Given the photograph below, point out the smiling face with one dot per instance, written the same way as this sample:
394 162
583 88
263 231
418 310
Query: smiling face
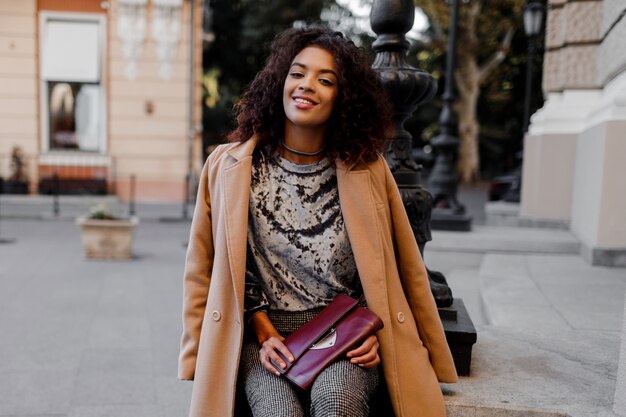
310 89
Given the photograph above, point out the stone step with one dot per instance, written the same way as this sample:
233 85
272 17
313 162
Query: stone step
510 297
524 373
483 239
548 293
460 410
502 213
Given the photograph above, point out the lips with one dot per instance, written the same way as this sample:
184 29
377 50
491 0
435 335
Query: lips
303 102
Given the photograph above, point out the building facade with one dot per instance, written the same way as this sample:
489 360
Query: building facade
574 171
95 93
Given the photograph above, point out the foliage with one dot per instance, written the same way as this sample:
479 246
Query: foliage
101 212
243 30
490 76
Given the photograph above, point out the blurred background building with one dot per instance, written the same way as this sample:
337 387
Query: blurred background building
574 172
99 91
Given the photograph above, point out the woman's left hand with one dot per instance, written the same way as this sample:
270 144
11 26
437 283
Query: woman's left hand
365 355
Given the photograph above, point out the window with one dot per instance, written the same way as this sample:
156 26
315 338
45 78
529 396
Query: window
73 107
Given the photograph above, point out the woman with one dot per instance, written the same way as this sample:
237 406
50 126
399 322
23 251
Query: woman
300 207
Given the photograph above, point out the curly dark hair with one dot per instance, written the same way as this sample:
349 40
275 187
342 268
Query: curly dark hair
361 119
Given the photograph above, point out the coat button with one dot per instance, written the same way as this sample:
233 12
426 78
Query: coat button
216 315
401 317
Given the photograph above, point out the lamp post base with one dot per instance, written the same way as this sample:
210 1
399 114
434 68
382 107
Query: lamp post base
460 334
443 219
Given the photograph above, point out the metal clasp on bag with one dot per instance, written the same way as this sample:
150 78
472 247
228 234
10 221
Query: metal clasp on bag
327 341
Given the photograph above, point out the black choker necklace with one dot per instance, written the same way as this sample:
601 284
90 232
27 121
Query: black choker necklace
301 153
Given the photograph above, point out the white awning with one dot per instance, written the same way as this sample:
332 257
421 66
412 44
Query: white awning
71 50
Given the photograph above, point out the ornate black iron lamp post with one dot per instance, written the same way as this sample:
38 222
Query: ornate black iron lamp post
534 13
409 87
448 213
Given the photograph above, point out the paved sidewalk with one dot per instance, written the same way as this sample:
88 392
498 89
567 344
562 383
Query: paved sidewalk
90 338
100 339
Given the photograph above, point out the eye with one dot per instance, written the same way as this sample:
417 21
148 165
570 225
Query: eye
296 74
326 82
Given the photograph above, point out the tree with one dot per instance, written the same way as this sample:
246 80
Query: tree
485 32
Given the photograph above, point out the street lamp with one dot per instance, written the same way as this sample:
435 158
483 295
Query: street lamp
448 213
533 22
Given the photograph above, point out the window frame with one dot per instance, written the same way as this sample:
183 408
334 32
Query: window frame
100 20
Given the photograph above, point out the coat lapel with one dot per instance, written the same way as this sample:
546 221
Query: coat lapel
358 208
236 185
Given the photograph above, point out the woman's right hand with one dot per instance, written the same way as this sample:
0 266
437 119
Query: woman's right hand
269 352
271 343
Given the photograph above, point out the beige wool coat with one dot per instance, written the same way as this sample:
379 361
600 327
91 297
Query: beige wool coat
413 348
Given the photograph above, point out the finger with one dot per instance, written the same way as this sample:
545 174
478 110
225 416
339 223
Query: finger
272 347
276 344
371 364
280 346
365 347
368 357
269 366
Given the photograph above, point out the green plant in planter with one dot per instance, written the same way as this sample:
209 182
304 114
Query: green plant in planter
105 235
101 212
17 183
18 165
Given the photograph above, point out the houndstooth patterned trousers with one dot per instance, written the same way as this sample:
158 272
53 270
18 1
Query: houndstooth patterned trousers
341 390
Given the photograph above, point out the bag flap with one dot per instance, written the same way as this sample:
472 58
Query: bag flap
300 340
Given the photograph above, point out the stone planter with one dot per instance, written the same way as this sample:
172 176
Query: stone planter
107 239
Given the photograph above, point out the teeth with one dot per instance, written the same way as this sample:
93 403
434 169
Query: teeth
303 101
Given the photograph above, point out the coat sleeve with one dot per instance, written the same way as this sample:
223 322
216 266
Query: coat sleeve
417 287
197 277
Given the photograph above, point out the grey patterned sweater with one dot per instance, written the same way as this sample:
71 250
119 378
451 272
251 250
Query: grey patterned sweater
299 256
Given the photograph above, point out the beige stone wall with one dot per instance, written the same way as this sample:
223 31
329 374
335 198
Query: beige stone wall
612 227
612 54
547 185
18 84
600 194
573 34
148 116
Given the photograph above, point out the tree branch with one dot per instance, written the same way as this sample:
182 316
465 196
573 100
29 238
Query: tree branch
498 56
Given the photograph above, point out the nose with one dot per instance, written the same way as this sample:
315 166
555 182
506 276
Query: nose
306 83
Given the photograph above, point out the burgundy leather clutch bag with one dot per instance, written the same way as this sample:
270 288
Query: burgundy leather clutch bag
337 329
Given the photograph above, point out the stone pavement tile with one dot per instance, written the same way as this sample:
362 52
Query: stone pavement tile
120 332
465 285
586 296
55 355
25 393
129 361
173 392
165 344
445 261
505 239
568 371
122 294
165 302
42 343
146 410
172 410
113 388
511 298
455 410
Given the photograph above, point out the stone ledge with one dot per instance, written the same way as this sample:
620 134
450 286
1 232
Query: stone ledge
501 213
462 410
